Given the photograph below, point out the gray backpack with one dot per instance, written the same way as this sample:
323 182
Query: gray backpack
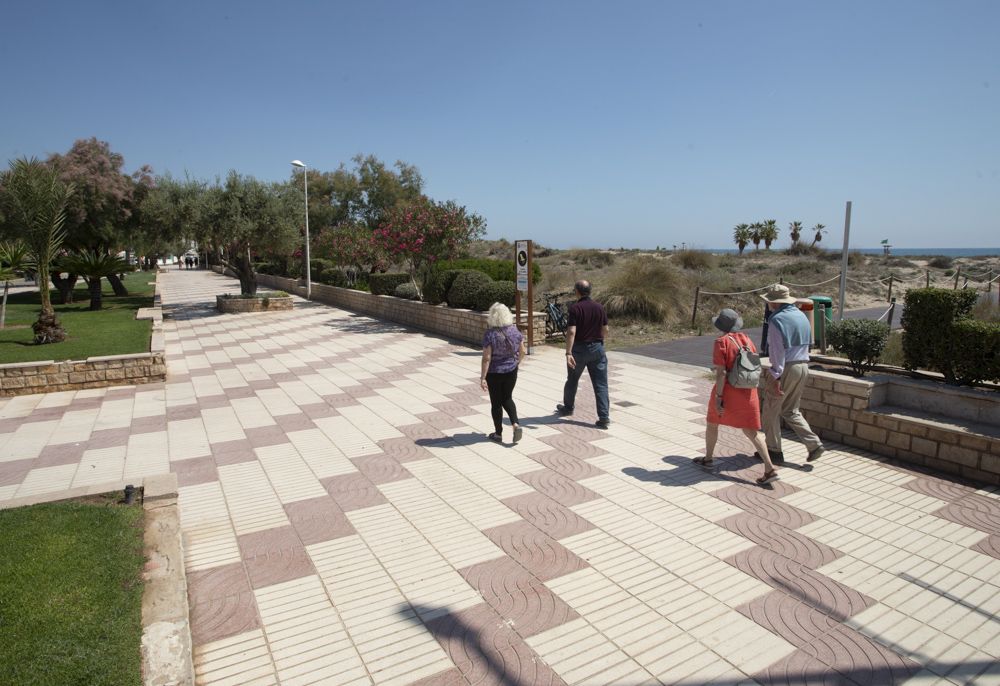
745 372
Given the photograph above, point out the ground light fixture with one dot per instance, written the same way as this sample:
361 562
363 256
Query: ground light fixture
305 179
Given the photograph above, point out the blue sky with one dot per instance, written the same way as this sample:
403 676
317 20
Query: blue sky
590 124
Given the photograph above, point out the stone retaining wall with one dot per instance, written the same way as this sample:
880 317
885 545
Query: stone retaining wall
235 305
857 412
462 325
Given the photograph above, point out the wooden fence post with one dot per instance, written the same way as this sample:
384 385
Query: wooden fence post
958 270
889 297
928 278
694 312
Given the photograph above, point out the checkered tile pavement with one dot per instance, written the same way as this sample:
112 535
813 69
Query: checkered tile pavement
346 521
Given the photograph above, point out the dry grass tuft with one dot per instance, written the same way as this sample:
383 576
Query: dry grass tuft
649 289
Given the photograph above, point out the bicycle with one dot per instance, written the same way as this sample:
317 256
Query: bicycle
556 314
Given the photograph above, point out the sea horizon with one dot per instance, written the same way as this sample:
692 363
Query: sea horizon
902 252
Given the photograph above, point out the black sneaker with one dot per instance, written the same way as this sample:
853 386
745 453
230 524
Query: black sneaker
563 410
602 423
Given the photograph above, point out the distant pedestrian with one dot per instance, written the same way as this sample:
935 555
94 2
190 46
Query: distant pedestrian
788 337
585 335
188 262
503 350
729 405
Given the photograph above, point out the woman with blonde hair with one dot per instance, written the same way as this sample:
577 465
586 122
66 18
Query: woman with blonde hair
503 350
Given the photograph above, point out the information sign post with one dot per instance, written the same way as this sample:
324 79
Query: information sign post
523 267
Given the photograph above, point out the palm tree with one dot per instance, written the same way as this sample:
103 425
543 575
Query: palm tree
34 200
741 236
769 234
93 266
820 229
755 234
795 228
13 259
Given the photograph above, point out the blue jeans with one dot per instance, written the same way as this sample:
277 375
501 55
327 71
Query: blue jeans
590 356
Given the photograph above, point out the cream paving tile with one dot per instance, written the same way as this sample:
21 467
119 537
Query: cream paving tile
180 394
307 640
19 406
208 535
74 427
289 474
27 441
321 454
369 423
277 402
100 466
57 399
147 454
252 501
392 641
206 386
320 385
47 480
349 439
241 660
388 410
8 492
459 541
581 655
222 424
476 500
149 404
186 438
299 393
251 413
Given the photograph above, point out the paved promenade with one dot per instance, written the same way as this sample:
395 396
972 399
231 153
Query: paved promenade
346 521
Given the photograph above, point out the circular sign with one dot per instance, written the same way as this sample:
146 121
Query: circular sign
522 258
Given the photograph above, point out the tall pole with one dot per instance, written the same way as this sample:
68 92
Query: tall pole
305 176
843 261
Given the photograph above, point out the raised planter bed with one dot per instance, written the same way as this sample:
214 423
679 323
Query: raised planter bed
264 302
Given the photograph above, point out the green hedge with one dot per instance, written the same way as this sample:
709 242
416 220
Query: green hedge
438 284
498 270
333 276
385 284
975 351
465 289
407 291
495 292
862 340
928 339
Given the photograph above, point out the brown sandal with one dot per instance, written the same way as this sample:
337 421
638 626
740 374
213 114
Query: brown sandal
769 477
705 462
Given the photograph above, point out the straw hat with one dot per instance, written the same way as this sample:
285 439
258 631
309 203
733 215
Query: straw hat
778 293
728 321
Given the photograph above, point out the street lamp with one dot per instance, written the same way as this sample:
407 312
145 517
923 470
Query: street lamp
305 178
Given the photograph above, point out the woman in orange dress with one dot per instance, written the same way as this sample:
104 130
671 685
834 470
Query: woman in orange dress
735 407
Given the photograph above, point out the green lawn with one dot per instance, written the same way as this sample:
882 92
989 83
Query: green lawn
111 331
71 593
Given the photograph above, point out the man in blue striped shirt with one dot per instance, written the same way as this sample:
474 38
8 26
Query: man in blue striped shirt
788 340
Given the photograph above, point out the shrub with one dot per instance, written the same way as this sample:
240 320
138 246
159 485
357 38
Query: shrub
976 351
385 284
939 262
650 289
407 291
498 270
801 248
333 277
465 288
862 340
694 259
927 321
898 262
317 267
592 258
496 292
438 284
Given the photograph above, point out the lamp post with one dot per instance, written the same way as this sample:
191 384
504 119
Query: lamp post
305 178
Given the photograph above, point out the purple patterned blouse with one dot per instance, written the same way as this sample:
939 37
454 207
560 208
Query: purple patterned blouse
505 344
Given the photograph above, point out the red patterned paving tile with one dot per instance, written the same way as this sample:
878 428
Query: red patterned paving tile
318 410
359 392
404 449
279 377
816 590
580 430
262 384
451 677
340 400
211 402
9 426
802 669
939 488
261 436
440 420
274 555
468 398
233 452
108 438
199 470
563 490
353 491
780 540
989 546
859 658
573 446
967 516
294 422
65 453
517 596
540 554
452 409
45 414
756 502
548 515
381 469
318 519
488 652
221 603
787 617
120 393
981 504
182 412
569 466
146 425
13 472
240 392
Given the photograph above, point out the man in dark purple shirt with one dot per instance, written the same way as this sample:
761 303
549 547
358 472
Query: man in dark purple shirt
588 327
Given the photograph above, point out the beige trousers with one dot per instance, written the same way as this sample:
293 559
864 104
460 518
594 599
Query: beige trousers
786 406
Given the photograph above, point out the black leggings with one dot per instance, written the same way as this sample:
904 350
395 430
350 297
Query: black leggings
501 391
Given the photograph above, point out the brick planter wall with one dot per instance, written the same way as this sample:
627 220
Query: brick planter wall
877 414
462 325
234 305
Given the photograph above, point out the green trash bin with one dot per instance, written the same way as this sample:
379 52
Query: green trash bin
822 317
